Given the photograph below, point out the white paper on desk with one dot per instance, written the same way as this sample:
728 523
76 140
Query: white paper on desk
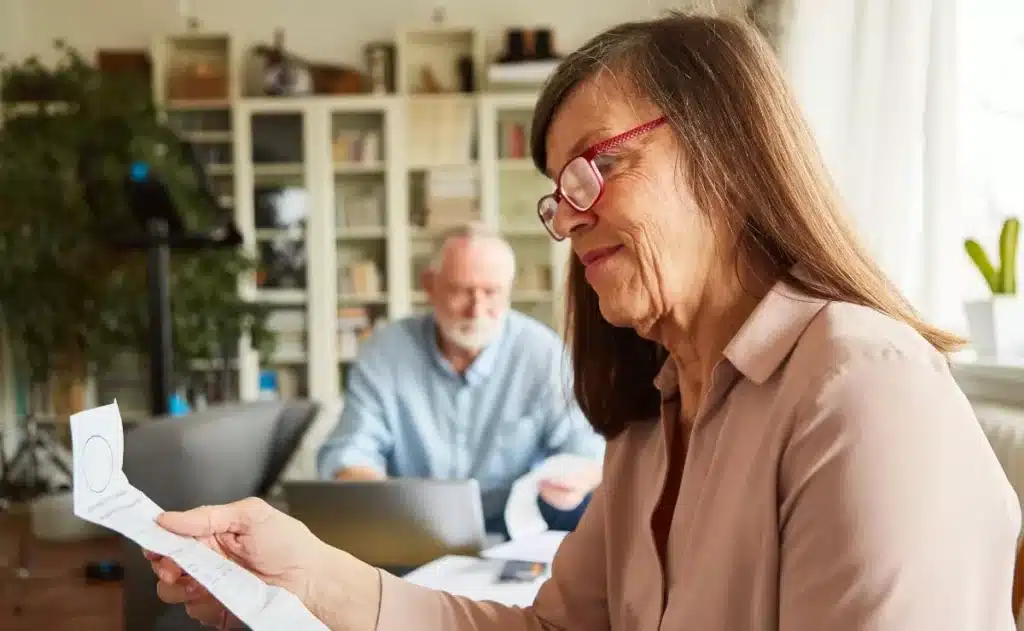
104 496
476 579
522 514
538 548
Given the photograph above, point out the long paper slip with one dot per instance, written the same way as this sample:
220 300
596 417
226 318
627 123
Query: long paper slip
104 496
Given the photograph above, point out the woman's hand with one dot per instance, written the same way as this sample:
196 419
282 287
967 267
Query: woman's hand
278 549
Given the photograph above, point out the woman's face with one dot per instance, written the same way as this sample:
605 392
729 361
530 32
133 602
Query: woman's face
646 247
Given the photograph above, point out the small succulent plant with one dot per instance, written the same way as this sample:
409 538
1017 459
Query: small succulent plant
1001 280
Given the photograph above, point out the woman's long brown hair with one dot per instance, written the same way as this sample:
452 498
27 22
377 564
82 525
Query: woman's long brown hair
751 162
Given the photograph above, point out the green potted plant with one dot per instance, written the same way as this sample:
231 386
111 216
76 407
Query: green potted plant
997 324
70 302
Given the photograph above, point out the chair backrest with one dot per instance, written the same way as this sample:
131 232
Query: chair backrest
214 456
1017 598
295 420
219 455
1005 432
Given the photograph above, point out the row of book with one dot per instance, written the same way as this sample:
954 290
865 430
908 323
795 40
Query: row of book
357 146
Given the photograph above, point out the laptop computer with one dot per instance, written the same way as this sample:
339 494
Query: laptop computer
396 524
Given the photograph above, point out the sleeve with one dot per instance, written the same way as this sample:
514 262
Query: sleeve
573 599
894 512
566 429
362 436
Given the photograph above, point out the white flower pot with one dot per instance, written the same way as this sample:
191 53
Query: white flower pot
997 327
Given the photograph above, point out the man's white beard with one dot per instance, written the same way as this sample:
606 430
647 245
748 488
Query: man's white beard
471 334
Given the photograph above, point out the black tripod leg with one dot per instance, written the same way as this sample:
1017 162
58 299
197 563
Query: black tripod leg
53 449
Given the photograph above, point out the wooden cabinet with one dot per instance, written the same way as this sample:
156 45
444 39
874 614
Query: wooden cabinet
54 594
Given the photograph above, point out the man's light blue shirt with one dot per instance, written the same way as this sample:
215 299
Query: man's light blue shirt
408 413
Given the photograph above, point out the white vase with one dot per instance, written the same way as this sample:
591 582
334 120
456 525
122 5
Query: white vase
997 327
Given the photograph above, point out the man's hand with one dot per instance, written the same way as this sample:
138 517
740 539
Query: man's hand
567 492
358 473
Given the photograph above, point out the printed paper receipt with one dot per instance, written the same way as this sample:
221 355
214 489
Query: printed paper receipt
104 496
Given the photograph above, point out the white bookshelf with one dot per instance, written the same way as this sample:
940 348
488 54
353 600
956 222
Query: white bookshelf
363 186
510 188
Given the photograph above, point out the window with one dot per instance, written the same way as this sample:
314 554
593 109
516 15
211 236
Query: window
991 77
991 82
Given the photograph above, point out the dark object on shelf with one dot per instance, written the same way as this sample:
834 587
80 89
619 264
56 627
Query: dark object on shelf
380 67
528 45
283 74
543 45
515 46
162 230
467 80
282 264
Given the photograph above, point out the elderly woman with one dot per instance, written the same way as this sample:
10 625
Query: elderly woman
787 448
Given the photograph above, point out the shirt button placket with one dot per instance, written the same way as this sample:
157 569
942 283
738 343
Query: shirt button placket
460 433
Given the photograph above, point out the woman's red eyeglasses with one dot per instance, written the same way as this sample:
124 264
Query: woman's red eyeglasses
580 182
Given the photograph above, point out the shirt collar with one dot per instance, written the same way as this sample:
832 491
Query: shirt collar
481 368
764 341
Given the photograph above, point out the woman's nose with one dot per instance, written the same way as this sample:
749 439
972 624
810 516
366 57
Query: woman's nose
568 220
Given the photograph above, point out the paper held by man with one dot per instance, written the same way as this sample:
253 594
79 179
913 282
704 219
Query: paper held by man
104 496
522 511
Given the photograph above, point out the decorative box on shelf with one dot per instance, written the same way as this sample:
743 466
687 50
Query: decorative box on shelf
193 67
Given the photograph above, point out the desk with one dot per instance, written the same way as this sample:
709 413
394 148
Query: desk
475 578
55 596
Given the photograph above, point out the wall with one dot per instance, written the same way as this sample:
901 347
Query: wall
328 30
12 29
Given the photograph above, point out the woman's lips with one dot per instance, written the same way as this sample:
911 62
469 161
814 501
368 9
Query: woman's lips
598 254
594 261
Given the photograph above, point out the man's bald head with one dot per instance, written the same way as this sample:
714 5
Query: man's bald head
469 283
476 245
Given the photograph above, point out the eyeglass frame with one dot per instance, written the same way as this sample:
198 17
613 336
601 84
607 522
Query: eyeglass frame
589 155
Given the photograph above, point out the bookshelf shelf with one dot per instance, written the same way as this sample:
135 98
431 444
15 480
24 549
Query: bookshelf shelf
375 166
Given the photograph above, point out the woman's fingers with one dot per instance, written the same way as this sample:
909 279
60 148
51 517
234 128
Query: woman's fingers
167 570
173 593
186 589
208 611
207 521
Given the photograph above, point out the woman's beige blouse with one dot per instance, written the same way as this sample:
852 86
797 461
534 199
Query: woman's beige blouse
836 479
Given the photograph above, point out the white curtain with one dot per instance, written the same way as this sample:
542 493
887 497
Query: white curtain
877 81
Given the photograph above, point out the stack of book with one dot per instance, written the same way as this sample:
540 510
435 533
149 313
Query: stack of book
360 278
451 197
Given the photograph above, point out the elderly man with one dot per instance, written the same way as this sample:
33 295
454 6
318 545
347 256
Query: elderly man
473 389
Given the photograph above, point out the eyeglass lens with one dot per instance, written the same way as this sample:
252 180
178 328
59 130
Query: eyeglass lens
579 184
